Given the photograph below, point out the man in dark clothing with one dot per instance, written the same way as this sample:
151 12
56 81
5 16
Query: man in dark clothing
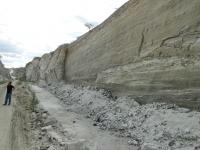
10 87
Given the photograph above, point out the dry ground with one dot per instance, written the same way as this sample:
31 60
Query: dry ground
5 121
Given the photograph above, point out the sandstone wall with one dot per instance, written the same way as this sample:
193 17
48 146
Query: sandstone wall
149 49
19 73
4 73
32 70
157 28
49 68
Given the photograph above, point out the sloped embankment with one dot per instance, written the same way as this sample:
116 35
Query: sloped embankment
32 128
20 132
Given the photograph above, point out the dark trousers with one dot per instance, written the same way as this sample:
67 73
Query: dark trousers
8 98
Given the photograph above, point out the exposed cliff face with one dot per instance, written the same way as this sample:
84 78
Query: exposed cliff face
153 29
56 70
148 47
32 70
4 73
19 73
50 67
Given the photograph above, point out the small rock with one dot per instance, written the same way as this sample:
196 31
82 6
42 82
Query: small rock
51 148
150 146
44 147
47 128
34 115
54 136
87 116
171 143
49 122
133 142
90 103
44 115
197 147
76 145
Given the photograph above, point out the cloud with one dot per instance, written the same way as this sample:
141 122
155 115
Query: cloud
12 54
34 27
8 47
11 60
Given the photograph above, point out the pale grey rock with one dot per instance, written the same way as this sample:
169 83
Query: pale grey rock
76 145
44 63
4 73
32 70
147 55
54 136
56 70
49 68
47 128
51 148
19 73
131 34
161 126
150 146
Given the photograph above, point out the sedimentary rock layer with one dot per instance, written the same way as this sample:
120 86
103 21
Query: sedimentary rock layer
151 48
139 29
50 67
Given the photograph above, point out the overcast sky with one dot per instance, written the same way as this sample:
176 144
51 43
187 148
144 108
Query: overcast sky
30 28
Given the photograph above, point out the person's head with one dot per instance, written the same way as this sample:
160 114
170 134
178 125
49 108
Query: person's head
9 83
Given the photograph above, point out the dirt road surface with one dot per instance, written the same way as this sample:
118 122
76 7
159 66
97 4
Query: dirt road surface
5 120
77 126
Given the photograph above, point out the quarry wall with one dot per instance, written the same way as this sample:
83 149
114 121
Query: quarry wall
49 68
4 73
147 46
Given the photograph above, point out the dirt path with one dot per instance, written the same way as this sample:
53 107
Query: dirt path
78 127
5 120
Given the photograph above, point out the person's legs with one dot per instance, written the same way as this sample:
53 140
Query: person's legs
9 99
6 99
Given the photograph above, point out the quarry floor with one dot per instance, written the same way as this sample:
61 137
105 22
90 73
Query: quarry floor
70 117
79 128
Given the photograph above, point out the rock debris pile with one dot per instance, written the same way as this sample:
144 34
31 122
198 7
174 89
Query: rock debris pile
50 134
156 126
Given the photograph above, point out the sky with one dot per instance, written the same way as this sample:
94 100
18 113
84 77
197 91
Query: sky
30 28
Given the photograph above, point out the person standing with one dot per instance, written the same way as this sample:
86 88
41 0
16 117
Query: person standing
8 97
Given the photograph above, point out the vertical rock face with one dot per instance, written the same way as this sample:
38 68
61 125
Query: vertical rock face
151 48
43 64
4 73
56 68
49 68
19 73
32 70
139 29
